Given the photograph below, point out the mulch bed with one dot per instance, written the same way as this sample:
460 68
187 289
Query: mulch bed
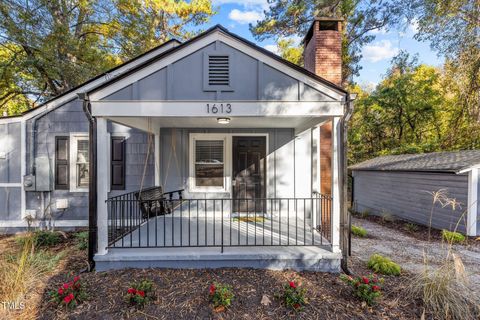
183 294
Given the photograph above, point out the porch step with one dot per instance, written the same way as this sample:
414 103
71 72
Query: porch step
274 258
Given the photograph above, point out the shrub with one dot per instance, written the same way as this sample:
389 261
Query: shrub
452 236
445 291
82 240
359 231
367 289
411 227
383 265
42 238
294 296
140 293
220 295
70 294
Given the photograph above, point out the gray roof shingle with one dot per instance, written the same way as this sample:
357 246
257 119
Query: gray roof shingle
454 161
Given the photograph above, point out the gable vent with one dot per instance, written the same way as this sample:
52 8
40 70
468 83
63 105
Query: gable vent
218 70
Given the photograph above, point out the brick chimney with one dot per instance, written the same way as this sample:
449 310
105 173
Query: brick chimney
323 56
323 49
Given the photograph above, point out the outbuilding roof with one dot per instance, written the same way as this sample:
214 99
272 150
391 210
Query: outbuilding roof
455 162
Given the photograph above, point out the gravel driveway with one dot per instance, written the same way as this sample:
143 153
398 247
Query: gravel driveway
409 252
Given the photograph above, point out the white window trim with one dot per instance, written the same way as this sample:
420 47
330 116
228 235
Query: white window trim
74 137
227 175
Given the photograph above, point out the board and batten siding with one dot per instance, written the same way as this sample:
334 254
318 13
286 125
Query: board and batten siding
407 195
289 161
70 118
251 80
10 170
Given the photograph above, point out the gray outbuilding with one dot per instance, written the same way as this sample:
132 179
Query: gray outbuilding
409 186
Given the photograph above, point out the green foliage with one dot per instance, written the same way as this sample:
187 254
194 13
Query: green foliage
452 236
367 288
387 217
49 47
290 52
358 231
383 265
294 296
411 227
41 238
286 18
140 293
82 240
220 295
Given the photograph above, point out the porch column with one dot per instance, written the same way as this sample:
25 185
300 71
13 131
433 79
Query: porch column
472 202
102 185
157 156
336 183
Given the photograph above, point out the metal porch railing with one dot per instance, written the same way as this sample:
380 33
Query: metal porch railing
172 221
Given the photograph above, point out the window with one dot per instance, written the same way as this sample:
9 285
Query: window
209 162
79 168
61 163
209 165
117 163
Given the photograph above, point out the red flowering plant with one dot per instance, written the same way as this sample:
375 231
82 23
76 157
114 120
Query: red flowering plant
70 294
294 296
220 295
140 293
367 288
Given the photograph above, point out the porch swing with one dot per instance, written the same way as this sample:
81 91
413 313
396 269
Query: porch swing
154 201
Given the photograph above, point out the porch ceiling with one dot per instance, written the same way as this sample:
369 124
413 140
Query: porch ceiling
143 123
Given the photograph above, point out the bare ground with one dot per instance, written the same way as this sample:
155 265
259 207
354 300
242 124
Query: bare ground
407 249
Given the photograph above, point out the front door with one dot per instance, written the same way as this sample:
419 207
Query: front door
249 168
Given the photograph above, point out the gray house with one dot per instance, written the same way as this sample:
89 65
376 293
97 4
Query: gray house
402 185
213 152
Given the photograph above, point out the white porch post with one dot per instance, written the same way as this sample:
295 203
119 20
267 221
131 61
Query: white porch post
336 183
157 156
471 226
102 185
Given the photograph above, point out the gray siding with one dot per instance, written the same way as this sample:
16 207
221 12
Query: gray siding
10 145
289 161
10 203
70 118
407 196
251 80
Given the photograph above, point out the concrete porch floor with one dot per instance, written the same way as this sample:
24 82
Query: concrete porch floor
175 230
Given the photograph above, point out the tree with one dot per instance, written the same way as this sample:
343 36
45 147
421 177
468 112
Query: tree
143 25
453 29
288 51
55 45
404 114
287 18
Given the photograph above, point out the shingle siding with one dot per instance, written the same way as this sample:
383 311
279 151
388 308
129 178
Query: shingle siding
407 195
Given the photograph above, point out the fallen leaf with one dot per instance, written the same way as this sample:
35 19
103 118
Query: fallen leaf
265 300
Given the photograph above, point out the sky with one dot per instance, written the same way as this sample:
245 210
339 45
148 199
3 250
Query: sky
236 15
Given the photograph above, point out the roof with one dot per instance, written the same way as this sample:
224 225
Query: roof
170 51
237 37
454 162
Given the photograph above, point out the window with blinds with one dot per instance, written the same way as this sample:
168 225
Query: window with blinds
209 163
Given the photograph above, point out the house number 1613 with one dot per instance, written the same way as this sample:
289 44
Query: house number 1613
219 108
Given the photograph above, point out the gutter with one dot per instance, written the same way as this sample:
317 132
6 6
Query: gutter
345 221
92 187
